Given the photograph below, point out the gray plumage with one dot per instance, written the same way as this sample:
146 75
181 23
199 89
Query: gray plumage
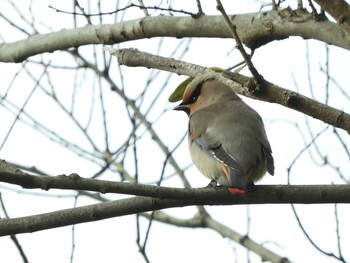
227 138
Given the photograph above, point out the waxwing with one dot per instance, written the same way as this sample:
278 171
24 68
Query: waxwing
226 137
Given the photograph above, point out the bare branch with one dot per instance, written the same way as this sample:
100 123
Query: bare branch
142 119
336 216
312 242
245 241
206 196
206 221
279 194
13 237
254 29
141 6
338 9
233 29
241 84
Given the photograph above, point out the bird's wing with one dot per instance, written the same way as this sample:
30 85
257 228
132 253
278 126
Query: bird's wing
218 152
231 167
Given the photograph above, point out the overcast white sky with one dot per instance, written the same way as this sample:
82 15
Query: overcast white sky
113 240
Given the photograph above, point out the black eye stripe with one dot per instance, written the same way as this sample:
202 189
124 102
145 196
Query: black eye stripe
197 91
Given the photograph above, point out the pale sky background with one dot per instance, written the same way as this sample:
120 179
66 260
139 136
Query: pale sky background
113 240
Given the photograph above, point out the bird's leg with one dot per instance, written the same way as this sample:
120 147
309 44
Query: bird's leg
232 190
250 187
212 183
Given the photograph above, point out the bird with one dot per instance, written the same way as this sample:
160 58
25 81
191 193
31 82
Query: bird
226 137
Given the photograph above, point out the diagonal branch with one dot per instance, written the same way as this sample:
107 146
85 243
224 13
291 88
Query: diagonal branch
338 9
206 221
241 84
266 255
142 119
233 29
13 237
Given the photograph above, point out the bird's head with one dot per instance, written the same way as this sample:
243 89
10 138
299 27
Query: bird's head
204 91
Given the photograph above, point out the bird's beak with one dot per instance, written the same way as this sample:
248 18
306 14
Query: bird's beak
182 107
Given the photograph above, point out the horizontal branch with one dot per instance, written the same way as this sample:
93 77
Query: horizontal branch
254 30
262 194
66 217
241 84
207 196
152 198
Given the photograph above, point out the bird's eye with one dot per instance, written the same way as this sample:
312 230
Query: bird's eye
194 98
195 94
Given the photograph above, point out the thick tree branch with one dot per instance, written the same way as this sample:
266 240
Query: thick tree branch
263 194
338 9
207 196
83 214
254 29
241 84
154 198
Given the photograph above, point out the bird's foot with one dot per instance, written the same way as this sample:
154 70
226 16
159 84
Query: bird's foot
212 183
250 187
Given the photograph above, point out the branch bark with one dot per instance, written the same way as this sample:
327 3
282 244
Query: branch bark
262 194
338 9
150 198
206 196
241 84
11 174
266 255
255 30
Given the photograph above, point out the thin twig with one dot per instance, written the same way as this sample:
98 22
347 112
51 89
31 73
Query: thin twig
329 254
103 113
142 7
141 117
296 158
145 11
36 85
200 10
13 237
73 233
314 11
327 74
204 220
82 10
338 232
258 78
